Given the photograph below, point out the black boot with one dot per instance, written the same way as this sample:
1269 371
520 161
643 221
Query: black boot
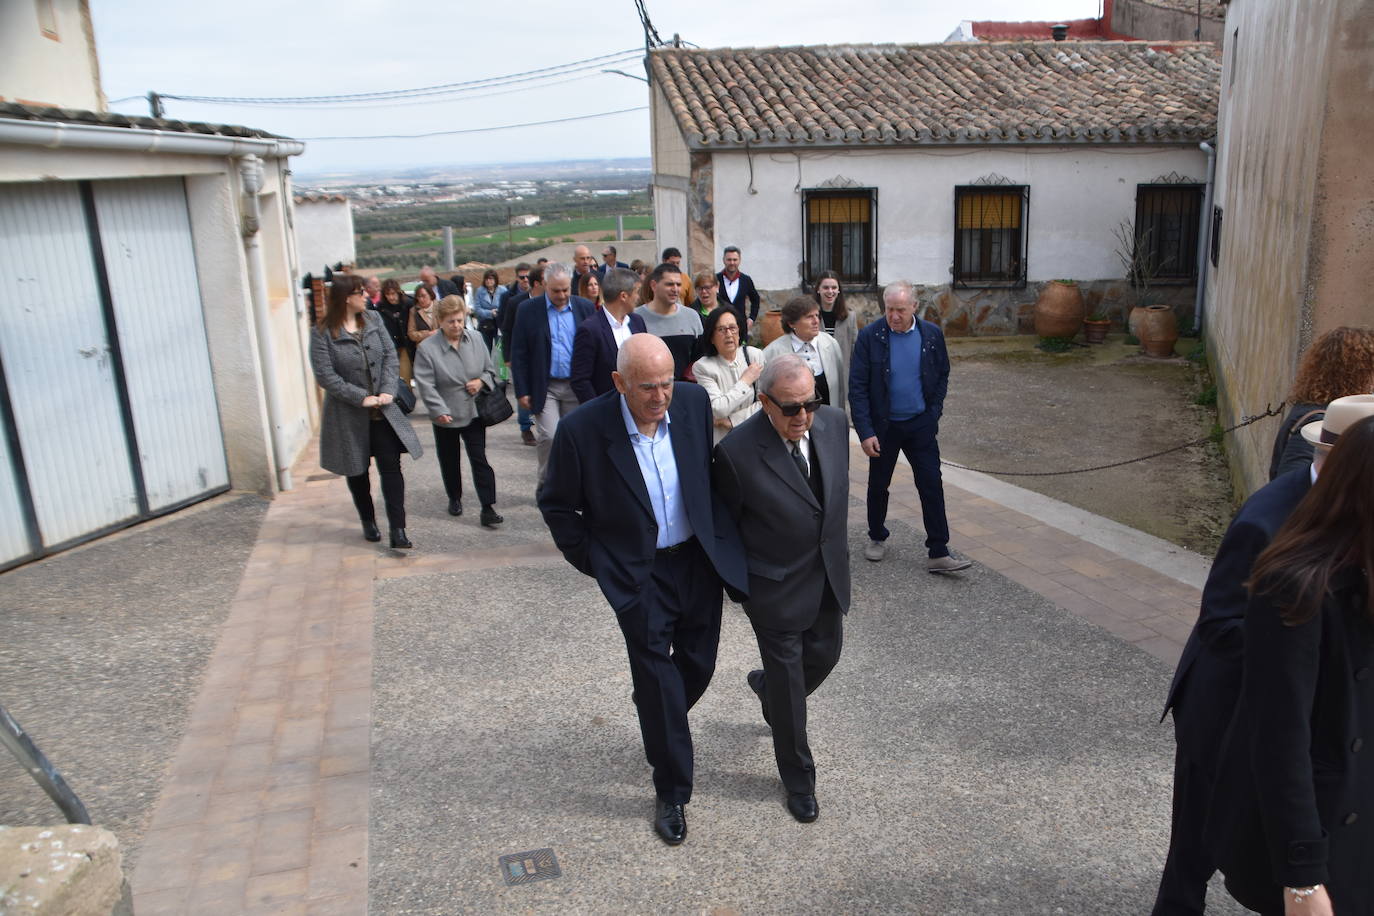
489 517
399 539
455 507
370 530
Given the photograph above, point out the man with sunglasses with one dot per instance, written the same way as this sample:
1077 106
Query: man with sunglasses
898 377
783 475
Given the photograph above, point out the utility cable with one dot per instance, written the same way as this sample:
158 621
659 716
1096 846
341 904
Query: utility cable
482 130
442 89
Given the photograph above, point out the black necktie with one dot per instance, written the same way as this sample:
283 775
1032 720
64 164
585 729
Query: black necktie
808 470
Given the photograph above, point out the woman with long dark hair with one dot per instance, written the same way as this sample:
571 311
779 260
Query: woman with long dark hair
355 363
836 318
1292 820
589 288
486 301
394 307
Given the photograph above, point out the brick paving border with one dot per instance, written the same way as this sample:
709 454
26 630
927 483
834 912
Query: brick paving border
265 806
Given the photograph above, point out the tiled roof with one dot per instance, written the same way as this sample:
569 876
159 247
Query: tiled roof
320 199
19 112
997 92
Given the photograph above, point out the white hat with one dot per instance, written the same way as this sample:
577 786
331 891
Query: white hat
1341 414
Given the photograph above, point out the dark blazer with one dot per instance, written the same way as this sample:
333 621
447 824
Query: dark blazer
509 309
793 547
602 268
597 507
594 355
1208 672
532 350
870 366
1294 799
394 318
443 288
745 293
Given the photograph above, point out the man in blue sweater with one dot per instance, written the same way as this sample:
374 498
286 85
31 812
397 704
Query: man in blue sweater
897 382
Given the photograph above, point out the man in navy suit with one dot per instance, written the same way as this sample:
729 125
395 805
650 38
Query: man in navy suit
610 261
897 384
735 289
624 501
1206 684
541 363
600 337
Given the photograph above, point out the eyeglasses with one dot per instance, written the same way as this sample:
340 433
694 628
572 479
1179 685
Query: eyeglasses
791 410
523 278
727 329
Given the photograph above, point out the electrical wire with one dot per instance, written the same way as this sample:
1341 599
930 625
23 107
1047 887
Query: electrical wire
482 130
442 89
439 100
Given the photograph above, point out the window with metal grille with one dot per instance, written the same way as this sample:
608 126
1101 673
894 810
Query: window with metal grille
1167 222
990 235
841 234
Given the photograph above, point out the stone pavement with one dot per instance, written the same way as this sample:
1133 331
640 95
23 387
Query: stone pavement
377 725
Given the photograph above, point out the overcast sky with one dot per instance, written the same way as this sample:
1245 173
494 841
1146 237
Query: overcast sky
275 48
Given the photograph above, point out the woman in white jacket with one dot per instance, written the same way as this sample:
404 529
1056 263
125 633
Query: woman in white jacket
728 371
801 320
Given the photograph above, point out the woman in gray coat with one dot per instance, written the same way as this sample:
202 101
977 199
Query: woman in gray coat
452 368
355 363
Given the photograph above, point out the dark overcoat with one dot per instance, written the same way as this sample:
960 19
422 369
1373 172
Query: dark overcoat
341 367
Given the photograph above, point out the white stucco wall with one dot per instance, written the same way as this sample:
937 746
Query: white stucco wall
55 66
670 219
324 234
1078 196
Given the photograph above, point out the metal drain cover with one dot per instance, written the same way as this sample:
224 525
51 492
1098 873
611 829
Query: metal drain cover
525 867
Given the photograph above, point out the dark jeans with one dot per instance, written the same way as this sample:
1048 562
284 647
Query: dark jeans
474 439
914 438
385 448
671 634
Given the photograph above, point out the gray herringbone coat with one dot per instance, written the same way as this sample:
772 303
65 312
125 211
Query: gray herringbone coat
339 368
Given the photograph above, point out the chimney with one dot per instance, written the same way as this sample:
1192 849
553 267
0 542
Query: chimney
1060 32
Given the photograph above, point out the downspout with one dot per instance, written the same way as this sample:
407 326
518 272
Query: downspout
250 171
1204 243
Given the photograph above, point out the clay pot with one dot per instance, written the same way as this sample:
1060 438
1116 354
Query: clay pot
771 326
1158 331
1133 321
1059 310
1095 332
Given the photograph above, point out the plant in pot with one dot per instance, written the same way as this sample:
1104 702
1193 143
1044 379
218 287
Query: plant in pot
1095 327
1153 326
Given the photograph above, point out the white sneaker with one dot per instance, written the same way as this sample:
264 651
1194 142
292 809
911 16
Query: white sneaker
947 564
875 551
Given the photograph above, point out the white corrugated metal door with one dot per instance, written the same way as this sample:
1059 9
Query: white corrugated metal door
145 234
60 366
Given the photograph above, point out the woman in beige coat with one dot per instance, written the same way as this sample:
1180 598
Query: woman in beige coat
728 371
452 367
801 320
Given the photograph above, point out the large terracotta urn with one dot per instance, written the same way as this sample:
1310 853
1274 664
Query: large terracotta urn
1059 310
772 327
1158 331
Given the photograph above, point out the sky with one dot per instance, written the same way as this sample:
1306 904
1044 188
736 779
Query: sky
311 48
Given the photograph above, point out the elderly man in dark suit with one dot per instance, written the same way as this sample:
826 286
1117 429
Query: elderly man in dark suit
1206 685
783 475
600 337
541 363
438 287
626 500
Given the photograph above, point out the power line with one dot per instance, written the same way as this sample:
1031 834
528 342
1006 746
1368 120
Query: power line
439 100
442 89
483 130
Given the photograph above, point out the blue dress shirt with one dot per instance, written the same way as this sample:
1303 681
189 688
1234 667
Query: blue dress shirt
658 466
562 328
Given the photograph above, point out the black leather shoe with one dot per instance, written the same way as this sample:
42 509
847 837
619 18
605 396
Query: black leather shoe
670 823
803 807
371 532
455 507
755 679
490 519
399 539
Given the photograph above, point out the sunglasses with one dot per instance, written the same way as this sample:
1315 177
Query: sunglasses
791 410
523 277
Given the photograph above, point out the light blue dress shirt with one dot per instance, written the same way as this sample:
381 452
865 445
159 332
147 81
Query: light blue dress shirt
658 466
562 328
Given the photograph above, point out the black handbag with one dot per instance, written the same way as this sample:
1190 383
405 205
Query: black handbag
405 398
493 407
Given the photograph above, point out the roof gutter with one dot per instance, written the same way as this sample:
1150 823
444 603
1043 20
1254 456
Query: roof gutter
67 135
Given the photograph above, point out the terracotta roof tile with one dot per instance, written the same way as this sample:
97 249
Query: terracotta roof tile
20 112
1020 91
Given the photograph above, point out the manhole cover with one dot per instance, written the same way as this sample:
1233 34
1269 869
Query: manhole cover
535 865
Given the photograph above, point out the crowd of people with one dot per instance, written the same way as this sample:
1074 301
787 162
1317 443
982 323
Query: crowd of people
641 400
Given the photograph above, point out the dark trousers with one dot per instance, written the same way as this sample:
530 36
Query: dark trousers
914 438
1188 868
473 437
385 447
671 635
795 663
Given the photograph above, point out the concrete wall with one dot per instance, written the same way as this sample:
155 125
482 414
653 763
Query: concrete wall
49 61
1151 21
1294 183
1078 196
324 234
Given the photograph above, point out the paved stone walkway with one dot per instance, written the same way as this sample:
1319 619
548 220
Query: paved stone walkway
265 807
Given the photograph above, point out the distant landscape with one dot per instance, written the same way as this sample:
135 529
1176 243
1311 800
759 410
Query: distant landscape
399 217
